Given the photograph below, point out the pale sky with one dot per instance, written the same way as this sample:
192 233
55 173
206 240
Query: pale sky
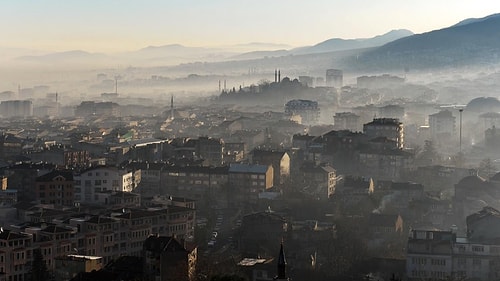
126 25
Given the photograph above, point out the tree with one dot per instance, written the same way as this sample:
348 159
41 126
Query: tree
39 271
429 155
487 168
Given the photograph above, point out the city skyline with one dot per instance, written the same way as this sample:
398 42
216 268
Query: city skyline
117 26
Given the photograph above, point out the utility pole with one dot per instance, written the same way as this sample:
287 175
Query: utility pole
460 111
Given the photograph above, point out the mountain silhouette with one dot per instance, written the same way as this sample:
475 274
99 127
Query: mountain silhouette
338 44
472 41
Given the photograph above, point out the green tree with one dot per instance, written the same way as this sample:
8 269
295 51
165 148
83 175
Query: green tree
39 271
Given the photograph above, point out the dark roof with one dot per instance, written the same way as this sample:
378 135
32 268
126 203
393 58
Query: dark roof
495 177
100 219
66 174
6 234
247 168
56 229
384 220
406 185
443 114
485 212
317 169
198 169
471 181
143 213
384 121
268 215
23 205
268 153
145 166
356 182
162 244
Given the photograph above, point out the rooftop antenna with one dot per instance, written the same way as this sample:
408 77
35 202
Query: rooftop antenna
116 84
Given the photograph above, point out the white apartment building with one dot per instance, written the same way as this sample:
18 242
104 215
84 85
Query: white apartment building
97 179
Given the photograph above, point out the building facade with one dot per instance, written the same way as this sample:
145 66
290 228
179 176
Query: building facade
390 128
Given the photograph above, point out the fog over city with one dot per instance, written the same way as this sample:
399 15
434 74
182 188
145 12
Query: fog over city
249 140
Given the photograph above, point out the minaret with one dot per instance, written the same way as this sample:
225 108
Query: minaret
281 266
172 107
57 104
275 75
279 75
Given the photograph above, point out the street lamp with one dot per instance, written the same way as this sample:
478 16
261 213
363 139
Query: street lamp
461 110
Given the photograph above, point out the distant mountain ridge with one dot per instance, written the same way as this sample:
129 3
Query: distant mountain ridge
338 44
469 41
474 20
332 45
61 56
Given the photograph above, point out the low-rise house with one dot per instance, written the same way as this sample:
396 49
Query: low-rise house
260 232
67 267
353 190
279 160
319 181
166 258
386 234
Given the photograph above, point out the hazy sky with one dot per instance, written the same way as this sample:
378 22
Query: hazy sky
120 25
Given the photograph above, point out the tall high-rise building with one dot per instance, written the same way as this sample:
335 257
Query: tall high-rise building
16 108
334 78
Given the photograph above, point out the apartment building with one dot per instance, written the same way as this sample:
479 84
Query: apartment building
390 128
16 250
103 178
56 188
440 255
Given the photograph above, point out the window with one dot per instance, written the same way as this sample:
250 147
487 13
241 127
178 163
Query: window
477 248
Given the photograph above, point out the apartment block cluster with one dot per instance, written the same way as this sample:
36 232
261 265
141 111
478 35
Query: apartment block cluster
120 229
434 254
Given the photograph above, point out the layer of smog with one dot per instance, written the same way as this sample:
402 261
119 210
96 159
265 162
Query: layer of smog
373 158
